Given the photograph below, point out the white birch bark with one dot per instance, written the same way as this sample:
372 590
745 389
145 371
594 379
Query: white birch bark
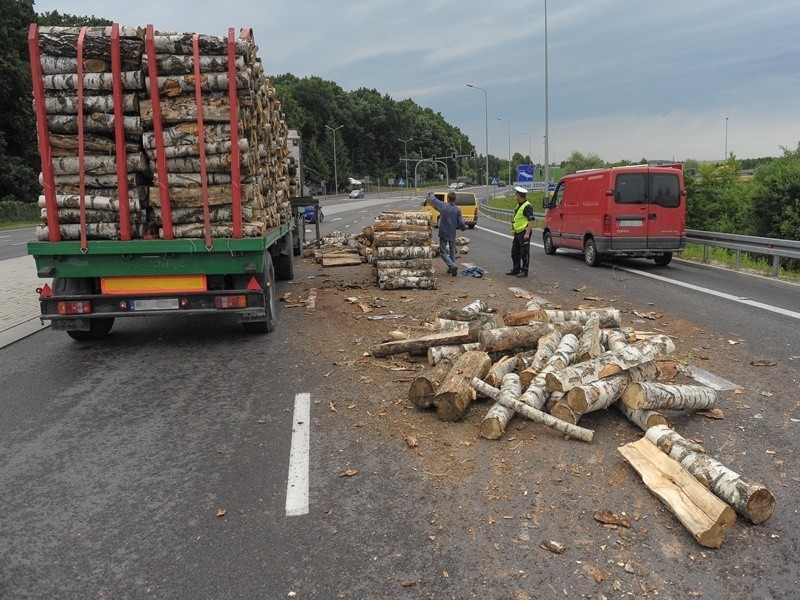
600 394
653 395
494 424
750 499
645 419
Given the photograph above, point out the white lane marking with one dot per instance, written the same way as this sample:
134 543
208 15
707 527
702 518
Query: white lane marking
297 484
781 311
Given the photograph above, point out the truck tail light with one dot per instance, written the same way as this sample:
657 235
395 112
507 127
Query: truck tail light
223 302
81 307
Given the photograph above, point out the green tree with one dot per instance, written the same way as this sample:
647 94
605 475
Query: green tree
578 162
775 197
717 198
19 162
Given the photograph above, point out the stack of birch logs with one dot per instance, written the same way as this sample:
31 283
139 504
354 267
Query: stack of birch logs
267 177
401 247
262 137
58 47
554 366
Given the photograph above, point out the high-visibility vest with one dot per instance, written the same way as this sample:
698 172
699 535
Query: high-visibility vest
520 221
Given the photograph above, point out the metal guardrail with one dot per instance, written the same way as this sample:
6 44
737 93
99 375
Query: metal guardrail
773 247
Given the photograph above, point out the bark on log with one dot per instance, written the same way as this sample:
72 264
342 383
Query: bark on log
64 43
218 230
402 273
407 283
494 424
393 215
67 145
645 419
653 395
90 201
193 150
216 109
750 499
600 394
520 318
424 386
182 43
188 133
546 347
579 433
399 225
589 346
610 363
412 264
94 231
183 64
95 82
402 238
504 339
456 393
99 165
193 179
609 317
93 123
421 344
502 367
704 515
469 312
404 252
614 339
68 105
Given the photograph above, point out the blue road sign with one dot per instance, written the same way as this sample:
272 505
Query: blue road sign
401 181
524 172
494 180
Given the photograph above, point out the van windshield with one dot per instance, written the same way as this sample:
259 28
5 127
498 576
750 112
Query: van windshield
641 188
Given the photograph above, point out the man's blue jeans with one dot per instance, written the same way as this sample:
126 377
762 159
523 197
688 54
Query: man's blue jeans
447 250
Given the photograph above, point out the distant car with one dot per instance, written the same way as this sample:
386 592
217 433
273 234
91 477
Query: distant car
453 186
357 194
460 185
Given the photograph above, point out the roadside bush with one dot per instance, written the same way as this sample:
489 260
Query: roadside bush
13 210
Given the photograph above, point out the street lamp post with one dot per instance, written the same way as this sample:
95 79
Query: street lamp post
726 138
546 115
405 151
530 145
486 124
509 148
335 166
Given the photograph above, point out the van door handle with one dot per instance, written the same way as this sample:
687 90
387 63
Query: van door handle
651 216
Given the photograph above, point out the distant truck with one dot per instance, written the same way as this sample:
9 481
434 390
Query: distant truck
637 211
130 241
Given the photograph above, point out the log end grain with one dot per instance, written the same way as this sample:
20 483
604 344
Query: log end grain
760 506
491 429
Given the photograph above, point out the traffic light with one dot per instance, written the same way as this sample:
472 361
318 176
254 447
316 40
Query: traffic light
453 156
472 153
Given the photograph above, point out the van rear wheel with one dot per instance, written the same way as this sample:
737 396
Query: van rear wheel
590 254
664 259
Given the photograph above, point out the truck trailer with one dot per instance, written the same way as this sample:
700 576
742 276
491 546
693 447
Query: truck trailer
166 178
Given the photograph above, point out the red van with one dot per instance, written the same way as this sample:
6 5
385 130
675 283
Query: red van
638 210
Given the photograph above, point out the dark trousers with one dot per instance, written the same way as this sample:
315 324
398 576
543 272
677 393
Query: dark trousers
521 252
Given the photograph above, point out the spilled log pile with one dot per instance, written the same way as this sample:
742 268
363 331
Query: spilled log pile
555 366
170 164
401 246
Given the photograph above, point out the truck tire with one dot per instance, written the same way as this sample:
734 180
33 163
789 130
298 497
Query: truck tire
664 259
590 254
284 263
267 281
549 246
98 328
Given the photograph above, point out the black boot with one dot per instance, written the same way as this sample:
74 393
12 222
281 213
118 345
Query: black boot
522 274
512 272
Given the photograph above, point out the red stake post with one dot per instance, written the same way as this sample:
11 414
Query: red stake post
119 131
201 135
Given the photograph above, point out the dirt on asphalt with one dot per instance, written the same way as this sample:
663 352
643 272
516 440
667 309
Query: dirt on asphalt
534 491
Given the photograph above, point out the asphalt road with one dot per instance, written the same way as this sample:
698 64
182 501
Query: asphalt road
155 464
13 242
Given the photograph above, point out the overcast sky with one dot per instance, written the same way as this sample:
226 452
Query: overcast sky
627 78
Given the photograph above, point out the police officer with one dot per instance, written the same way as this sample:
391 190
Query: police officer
522 226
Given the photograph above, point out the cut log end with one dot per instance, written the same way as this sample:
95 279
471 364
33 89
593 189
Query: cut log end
760 506
491 429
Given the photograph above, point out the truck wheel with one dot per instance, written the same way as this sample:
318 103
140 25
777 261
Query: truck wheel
284 263
664 259
267 281
549 246
590 254
98 329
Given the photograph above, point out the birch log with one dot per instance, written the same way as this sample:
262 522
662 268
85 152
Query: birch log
610 363
700 512
580 433
645 419
437 354
404 252
750 499
421 344
423 388
590 339
501 368
653 395
399 283
493 425
456 393
602 393
509 338
546 347
609 317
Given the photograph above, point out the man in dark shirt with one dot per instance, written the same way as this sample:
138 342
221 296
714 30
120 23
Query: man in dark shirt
450 219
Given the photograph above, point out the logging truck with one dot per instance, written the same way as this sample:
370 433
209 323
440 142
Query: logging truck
166 178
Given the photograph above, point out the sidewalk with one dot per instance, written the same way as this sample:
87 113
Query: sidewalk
19 302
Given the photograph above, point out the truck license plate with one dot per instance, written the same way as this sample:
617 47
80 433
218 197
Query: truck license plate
154 304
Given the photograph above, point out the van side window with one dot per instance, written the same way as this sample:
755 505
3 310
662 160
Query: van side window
631 188
558 196
666 191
